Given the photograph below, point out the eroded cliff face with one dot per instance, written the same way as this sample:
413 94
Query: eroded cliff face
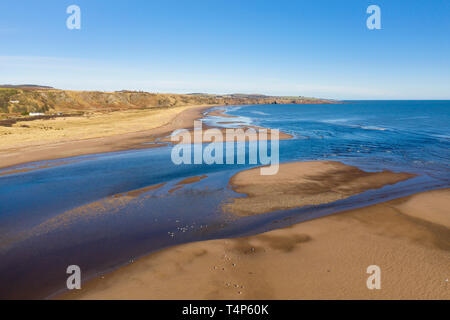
24 100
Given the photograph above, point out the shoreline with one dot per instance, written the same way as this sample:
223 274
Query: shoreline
304 183
316 186
133 140
11 157
411 233
323 258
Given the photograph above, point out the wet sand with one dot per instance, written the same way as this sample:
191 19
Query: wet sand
186 181
43 166
220 135
107 134
303 183
113 132
325 258
191 180
220 113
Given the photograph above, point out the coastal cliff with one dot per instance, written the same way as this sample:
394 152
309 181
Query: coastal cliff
26 99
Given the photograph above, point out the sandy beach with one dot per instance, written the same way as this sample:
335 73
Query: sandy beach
57 138
325 258
241 133
74 136
231 151
303 183
212 134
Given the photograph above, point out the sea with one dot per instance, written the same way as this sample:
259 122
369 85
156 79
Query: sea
78 211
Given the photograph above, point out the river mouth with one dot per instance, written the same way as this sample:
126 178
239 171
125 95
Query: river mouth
103 211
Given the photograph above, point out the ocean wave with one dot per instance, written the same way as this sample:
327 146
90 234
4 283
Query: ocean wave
441 136
373 128
340 120
261 113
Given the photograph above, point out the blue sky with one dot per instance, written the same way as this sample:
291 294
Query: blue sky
312 48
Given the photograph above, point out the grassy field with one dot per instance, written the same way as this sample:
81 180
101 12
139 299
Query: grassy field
92 125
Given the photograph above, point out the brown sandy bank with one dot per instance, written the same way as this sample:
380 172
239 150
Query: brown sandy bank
210 134
325 258
59 138
303 183
220 113
114 131
186 181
